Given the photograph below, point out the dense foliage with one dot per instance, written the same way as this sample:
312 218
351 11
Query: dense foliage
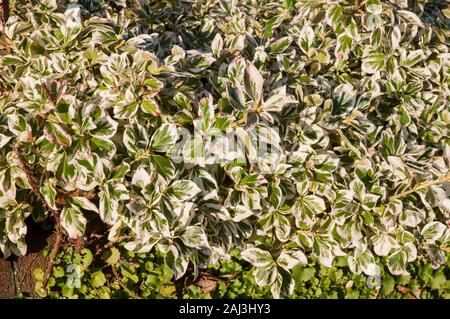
147 276
277 133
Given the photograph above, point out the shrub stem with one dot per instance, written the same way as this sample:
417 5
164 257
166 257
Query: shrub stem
124 287
349 144
5 8
31 178
441 179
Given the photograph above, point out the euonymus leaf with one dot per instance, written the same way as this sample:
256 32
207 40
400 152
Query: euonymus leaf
73 221
397 262
433 231
344 99
279 129
290 259
184 190
257 257
194 236
164 138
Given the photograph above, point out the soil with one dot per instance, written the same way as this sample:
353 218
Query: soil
16 273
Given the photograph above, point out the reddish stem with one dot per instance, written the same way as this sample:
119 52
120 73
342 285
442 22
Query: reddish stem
5 7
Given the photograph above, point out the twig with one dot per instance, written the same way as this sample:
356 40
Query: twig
124 287
49 94
53 255
349 144
5 7
30 176
129 263
35 189
111 244
441 179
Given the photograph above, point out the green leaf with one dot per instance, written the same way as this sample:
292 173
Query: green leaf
333 15
280 45
182 101
103 146
376 37
254 82
344 45
86 257
184 190
153 83
373 63
111 256
163 166
194 236
433 231
65 171
302 274
150 106
412 59
257 257
57 135
288 259
98 279
344 99
387 285
397 263
38 274
438 280
289 3
275 195
164 138
58 272
73 221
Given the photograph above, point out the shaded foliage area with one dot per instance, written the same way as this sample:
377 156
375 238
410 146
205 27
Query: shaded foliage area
351 98
147 276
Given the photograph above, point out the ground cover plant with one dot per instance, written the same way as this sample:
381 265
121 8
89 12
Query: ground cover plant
232 148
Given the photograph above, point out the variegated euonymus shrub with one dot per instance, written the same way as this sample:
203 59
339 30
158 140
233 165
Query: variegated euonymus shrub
289 129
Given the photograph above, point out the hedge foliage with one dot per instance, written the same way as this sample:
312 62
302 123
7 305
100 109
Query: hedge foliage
147 276
291 131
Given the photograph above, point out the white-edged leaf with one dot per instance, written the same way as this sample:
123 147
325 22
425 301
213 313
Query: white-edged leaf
84 203
257 257
184 189
194 236
141 178
433 231
73 221
254 81
288 259
217 44
164 138
397 263
383 244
